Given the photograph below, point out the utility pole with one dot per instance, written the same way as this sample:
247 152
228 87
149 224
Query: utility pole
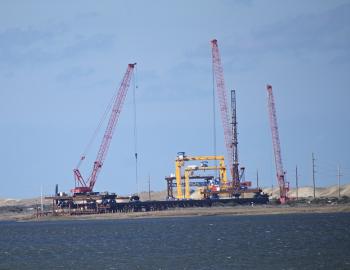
338 175
149 187
271 190
296 182
257 179
313 174
41 199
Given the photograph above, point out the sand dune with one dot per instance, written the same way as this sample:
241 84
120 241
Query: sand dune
304 192
22 202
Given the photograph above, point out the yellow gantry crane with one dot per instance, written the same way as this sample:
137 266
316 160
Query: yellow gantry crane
180 162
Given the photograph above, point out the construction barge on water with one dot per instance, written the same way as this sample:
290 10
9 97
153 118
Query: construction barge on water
111 203
210 191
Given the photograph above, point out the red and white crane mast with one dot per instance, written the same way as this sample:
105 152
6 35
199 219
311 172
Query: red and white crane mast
81 185
280 173
225 120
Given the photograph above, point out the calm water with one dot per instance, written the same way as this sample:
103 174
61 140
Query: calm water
308 241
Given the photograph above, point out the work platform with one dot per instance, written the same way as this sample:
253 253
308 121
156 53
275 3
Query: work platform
96 204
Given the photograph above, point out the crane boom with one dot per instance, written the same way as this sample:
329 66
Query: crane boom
107 138
222 97
280 173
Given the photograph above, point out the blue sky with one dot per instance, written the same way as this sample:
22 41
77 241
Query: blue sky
60 63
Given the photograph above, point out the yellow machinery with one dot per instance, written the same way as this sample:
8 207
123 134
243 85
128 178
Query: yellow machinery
189 170
180 162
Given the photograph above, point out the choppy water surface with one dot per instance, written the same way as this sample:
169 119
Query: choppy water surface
300 241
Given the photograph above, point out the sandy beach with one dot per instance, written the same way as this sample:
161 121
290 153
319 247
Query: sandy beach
188 212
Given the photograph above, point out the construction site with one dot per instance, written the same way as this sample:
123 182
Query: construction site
197 180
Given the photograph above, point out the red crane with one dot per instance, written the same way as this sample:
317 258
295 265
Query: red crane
222 97
82 186
280 173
